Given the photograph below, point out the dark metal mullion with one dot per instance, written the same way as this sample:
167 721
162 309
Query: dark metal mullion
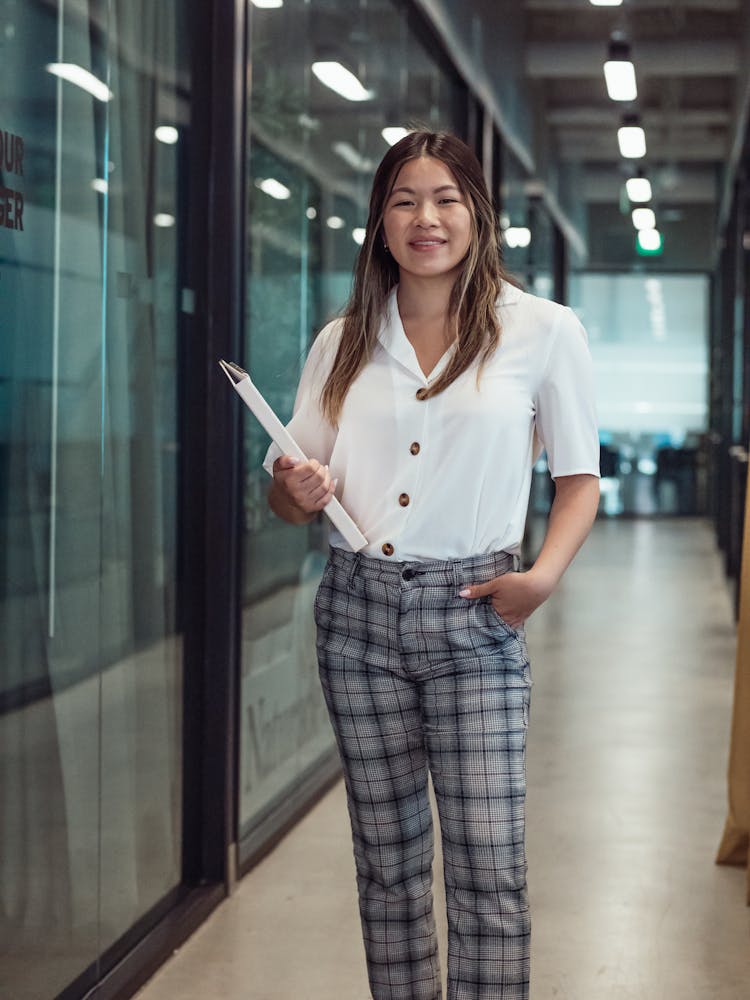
559 265
209 485
222 440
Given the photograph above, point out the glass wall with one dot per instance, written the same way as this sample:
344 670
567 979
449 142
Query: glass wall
93 116
649 341
515 217
540 266
312 155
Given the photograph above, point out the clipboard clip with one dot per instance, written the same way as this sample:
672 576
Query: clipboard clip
233 372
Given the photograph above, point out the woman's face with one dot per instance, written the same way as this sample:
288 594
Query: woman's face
427 221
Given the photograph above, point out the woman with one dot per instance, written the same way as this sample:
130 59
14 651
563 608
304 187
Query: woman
424 409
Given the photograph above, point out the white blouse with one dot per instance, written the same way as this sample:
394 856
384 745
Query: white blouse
449 477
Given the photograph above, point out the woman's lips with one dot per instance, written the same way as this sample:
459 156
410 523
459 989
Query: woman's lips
424 246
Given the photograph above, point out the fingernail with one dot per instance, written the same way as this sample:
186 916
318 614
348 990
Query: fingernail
294 461
466 592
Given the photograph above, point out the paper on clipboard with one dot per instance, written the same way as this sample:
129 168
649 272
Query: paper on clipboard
280 435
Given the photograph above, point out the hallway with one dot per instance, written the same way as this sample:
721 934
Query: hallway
633 661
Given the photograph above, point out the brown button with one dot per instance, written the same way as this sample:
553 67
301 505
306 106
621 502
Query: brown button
387 549
414 448
421 393
404 499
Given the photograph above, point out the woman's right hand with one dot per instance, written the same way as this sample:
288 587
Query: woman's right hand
307 485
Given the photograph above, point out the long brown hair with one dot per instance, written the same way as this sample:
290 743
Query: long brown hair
471 309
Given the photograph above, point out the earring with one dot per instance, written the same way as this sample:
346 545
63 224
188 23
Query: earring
385 247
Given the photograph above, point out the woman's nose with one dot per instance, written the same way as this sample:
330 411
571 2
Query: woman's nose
426 215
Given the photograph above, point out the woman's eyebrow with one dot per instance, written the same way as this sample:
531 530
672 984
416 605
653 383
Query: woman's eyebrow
437 190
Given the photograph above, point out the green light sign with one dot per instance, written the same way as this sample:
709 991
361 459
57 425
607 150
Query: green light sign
649 243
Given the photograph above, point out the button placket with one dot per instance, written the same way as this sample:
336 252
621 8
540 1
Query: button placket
412 471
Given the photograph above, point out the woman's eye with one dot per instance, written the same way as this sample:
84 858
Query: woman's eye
449 201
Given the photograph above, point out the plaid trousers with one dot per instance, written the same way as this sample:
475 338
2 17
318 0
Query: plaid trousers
416 677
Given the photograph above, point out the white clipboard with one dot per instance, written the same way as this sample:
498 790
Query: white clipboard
252 398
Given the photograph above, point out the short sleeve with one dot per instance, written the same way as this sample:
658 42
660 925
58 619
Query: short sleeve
566 421
309 428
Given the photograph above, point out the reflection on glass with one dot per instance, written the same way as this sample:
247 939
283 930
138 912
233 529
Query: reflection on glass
90 658
312 155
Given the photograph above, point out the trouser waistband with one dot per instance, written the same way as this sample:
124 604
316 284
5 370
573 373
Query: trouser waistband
431 572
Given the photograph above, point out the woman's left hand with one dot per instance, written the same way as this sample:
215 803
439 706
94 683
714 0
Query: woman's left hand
514 595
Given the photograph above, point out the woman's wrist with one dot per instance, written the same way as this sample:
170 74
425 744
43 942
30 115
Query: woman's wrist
543 579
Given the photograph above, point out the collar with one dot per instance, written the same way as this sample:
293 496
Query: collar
393 338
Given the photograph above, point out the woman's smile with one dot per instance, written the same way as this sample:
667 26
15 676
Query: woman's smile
423 244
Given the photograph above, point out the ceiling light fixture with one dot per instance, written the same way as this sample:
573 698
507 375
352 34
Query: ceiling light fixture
517 236
167 134
268 4
335 222
619 72
605 3
639 189
643 218
273 188
358 235
342 81
353 157
393 134
81 77
632 138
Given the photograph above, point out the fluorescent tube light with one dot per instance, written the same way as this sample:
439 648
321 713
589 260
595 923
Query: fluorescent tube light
167 134
649 239
632 140
338 78
639 189
274 188
268 4
81 77
605 3
358 235
393 134
643 218
353 157
163 220
517 236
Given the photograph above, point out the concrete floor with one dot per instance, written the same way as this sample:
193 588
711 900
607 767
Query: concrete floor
633 662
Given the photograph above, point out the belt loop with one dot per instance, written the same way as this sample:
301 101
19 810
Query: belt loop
516 563
354 567
458 573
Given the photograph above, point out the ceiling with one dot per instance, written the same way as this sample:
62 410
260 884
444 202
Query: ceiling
688 57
